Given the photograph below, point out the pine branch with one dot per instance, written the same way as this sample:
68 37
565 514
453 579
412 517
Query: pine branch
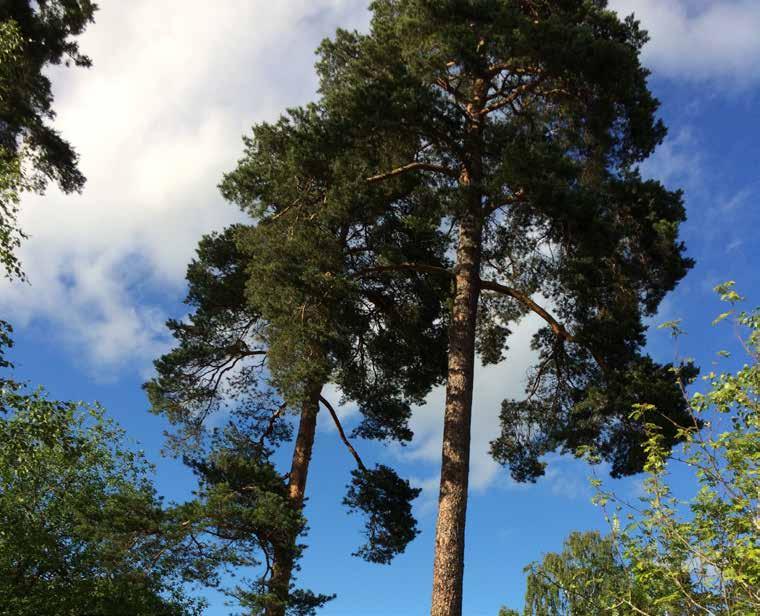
517 197
415 166
342 434
558 329
272 421
403 267
513 96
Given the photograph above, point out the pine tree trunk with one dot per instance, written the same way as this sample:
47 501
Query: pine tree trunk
283 561
448 569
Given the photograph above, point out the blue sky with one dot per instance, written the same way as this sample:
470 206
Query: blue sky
159 119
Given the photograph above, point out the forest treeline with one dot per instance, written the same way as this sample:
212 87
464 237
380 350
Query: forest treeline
466 164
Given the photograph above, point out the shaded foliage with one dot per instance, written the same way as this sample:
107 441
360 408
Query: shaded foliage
385 499
33 36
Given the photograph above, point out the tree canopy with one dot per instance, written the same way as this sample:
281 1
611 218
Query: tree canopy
676 551
527 121
82 530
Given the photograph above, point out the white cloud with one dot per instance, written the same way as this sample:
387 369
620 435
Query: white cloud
157 121
678 161
699 40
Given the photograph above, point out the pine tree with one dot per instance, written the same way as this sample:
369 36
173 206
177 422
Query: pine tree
280 312
526 119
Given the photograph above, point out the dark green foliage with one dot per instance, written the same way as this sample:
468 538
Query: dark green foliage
82 530
243 518
385 498
244 496
6 342
279 307
379 337
11 177
300 602
599 414
382 339
546 108
33 35
218 361
47 29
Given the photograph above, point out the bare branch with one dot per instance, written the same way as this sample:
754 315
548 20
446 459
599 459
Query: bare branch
517 197
415 166
558 329
403 267
272 420
342 434
513 96
445 85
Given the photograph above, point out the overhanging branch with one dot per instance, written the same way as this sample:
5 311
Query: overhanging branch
558 329
342 434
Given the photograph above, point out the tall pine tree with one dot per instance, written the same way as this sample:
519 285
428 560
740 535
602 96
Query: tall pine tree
526 119
281 311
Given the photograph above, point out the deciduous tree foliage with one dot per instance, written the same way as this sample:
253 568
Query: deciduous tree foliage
34 35
526 119
668 554
82 530
585 578
700 554
280 311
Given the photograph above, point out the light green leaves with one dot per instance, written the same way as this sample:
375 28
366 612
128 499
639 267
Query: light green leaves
82 524
701 553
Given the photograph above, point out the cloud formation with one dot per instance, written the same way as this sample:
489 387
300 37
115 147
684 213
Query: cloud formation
157 121
700 40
